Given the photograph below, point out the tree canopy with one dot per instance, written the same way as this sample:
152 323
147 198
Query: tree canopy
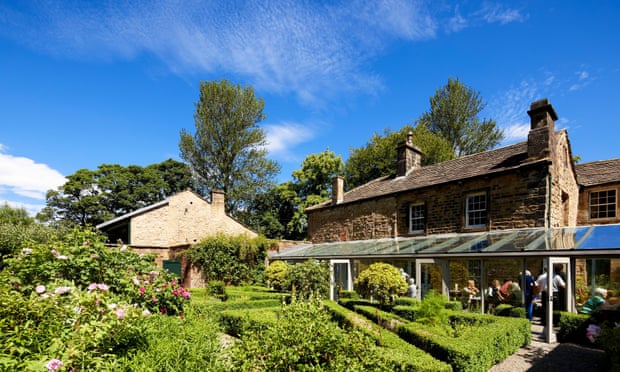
90 197
378 157
453 116
227 150
280 211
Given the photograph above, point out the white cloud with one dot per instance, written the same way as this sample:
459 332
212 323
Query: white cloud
516 132
283 137
496 13
25 177
314 50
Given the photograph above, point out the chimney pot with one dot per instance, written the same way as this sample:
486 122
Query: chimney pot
409 156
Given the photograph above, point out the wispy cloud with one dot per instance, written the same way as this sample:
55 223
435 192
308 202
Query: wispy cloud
283 137
312 50
497 13
583 79
23 177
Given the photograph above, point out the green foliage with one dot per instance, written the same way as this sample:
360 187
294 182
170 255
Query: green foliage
453 116
379 158
90 197
231 259
573 328
18 230
281 211
309 278
510 310
277 273
191 343
380 281
348 294
399 354
608 340
227 151
433 309
305 338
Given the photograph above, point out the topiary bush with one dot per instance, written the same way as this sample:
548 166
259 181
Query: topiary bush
276 274
381 282
310 278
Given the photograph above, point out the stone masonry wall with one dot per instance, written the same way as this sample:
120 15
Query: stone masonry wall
565 191
583 217
186 219
516 200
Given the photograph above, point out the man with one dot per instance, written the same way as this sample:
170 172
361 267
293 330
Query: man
541 282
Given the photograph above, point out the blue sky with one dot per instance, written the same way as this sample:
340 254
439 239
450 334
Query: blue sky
84 84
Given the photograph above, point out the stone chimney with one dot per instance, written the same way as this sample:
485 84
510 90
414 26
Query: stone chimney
542 128
409 156
337 190
217 202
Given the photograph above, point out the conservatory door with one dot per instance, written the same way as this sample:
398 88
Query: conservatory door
340 278
432 274
563 298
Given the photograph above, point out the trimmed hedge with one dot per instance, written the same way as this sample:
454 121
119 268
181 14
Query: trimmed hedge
573 328
236 322
510 311
401 354
487 341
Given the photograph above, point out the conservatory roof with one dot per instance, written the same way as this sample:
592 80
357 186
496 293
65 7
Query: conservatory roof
566 241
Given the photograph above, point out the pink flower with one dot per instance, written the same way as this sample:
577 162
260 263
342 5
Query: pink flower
54 252
142 290
102 287
154 299
135 281
53 365
62 290
146 313
120 313
92 287
40 289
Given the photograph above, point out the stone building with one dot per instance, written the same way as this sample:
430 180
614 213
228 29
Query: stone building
528 184
174 224
491 215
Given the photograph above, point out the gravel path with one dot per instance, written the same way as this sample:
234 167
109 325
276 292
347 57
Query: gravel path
540 356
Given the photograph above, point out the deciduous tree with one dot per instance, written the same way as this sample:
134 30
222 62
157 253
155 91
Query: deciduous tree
227 150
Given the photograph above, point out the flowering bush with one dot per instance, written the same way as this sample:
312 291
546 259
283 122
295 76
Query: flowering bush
88 303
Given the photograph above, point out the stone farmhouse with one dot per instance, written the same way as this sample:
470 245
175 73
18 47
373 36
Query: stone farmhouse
174 224
491 215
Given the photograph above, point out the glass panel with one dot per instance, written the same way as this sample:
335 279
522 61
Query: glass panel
592 274
430 278
464 283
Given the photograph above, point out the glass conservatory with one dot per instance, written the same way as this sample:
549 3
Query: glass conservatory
587 257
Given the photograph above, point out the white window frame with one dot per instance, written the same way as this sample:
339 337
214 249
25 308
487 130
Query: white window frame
411 218
615 203
468 225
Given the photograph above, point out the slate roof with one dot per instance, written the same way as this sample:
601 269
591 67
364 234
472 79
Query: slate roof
598 172
485 163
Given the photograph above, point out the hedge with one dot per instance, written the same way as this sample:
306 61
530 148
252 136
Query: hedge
479 347
401 354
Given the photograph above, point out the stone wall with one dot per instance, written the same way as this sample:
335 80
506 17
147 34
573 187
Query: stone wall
564 191
583 217
185 219
516 200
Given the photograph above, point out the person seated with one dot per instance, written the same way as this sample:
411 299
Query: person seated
470 293
514 295
595 301
495 296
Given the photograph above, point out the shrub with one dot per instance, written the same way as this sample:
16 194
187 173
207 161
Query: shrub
305 338
349 294
380 281
276 274
309 278
433 309
573 328
217 289
231 259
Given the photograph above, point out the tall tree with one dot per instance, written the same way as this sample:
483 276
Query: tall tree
227 151
453 115
378 157
280 212
90 197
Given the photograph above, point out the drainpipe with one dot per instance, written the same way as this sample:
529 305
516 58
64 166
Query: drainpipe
549 197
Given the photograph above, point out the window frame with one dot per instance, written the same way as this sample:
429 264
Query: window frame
468 224
606 204
411 217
